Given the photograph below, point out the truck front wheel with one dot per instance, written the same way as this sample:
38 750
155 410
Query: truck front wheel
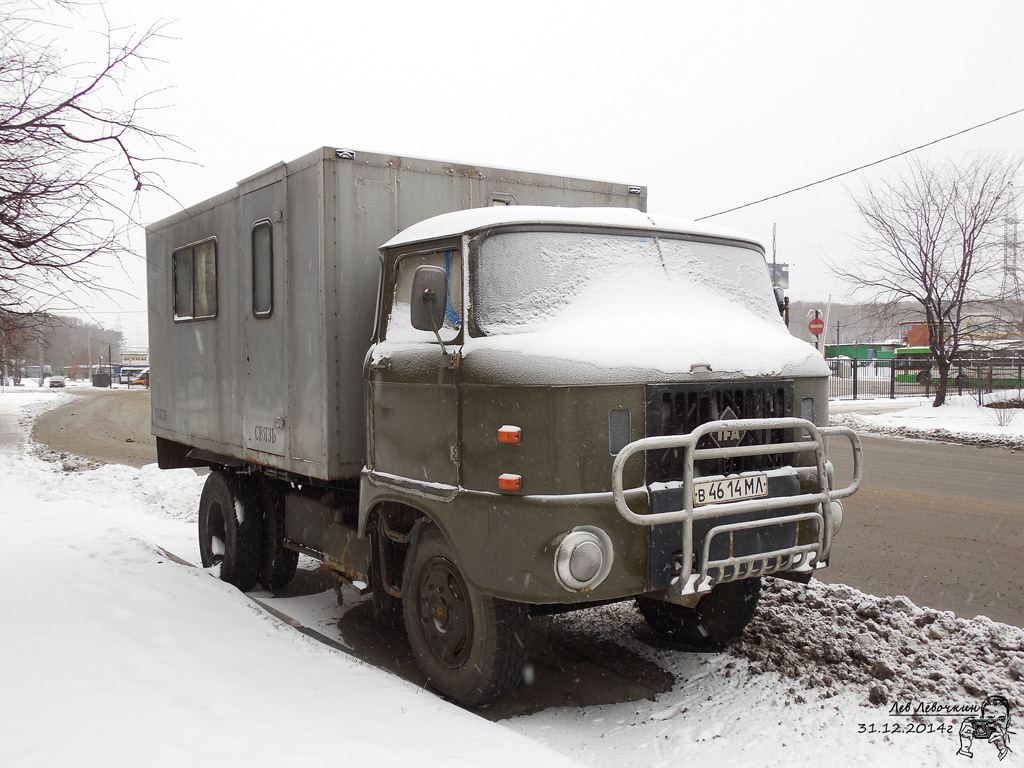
470 646
719 618
229 529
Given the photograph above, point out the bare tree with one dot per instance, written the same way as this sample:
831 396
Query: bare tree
932 236
73 150
20 335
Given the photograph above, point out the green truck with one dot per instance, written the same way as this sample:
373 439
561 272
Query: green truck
533 396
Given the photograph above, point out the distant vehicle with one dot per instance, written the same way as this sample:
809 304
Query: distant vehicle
56 381
129 375
143 378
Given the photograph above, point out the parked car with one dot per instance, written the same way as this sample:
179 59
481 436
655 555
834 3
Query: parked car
56 381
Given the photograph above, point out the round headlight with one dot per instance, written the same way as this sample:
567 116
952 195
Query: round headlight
583 558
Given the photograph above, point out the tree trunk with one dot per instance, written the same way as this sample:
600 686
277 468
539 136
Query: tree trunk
942 363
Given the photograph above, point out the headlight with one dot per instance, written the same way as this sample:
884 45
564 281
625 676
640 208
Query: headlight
584 558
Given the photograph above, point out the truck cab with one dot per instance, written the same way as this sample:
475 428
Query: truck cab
589 405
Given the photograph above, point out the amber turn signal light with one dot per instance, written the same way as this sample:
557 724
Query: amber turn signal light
509 482
509 434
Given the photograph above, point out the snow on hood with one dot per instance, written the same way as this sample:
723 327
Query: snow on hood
671 336
653 301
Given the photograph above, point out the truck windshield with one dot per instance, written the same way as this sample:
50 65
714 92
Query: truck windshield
524 280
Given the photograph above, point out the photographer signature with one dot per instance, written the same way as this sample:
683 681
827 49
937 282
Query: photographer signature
993 726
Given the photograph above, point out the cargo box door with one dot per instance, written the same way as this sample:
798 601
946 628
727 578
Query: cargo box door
264 320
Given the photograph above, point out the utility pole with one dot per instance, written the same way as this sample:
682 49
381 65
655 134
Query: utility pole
774 268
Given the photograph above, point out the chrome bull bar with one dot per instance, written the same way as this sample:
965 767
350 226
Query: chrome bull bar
795 556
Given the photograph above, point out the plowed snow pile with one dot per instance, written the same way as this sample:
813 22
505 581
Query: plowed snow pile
825 637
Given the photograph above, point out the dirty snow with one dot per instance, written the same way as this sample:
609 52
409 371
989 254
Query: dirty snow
112 654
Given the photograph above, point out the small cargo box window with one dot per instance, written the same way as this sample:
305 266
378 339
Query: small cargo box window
262 269
195 281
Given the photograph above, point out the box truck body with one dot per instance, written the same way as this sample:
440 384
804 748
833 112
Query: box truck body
478 393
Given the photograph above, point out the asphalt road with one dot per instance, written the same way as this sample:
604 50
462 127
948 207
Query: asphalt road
108 425
941 524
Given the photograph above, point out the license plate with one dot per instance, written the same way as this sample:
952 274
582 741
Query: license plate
729 489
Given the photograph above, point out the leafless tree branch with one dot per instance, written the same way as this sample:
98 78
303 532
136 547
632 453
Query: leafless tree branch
73 150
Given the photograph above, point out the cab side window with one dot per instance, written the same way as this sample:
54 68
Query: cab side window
399 324
195 281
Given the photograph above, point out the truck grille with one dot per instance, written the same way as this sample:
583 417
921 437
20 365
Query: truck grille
676 409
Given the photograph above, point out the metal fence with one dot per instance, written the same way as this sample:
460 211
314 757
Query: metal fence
867 379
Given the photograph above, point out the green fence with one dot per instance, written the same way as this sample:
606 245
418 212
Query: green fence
864 379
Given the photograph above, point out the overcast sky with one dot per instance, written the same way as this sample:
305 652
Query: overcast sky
711 105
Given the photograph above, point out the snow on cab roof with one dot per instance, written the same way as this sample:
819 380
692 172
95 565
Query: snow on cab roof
459 222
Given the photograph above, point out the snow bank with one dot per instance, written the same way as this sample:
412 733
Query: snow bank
959 420
114 655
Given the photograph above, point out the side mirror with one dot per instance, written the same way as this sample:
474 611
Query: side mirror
429 298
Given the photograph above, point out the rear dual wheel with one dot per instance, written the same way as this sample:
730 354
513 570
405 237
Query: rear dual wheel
230 528
241 529
279 563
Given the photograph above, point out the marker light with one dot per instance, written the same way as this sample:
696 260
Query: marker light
509 482
509 434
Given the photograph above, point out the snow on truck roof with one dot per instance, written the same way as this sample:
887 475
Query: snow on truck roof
472 219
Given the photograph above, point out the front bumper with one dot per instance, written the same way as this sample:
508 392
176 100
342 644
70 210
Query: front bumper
791 529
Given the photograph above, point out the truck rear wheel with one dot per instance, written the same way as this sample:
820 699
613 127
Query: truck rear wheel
229 529
718 619
470 646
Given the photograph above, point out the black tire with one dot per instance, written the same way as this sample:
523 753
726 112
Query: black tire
230 524
717 620
278 563
470 646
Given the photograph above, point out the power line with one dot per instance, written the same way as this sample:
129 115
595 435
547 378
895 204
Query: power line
862 167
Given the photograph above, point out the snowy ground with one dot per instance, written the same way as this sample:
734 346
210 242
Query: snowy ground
112 654
960 420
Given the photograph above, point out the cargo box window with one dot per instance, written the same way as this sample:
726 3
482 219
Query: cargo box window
399 324
262 269
195 281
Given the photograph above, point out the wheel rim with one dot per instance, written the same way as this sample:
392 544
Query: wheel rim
444 613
